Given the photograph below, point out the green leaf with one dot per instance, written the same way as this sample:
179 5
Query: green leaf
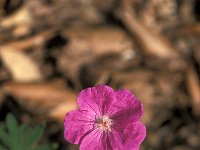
2 148
54 146
34 135
14 132
21 137
11 124
2 126
47 147
4 138
23 128
42 147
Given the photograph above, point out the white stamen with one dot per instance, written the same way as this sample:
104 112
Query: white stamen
104 123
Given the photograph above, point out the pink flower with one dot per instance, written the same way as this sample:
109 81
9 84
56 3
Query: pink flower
106 120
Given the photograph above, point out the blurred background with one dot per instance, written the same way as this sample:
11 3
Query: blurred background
51 49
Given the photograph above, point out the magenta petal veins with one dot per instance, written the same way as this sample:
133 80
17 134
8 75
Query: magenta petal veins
106 120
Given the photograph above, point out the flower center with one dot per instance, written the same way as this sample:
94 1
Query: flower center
104 123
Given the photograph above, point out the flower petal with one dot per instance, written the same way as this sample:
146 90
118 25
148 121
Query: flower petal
137 133
116 140
93 141
98 100
129 108
129 136
77 124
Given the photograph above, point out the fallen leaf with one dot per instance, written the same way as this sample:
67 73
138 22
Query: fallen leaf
46 99
22 68
194 90
22 16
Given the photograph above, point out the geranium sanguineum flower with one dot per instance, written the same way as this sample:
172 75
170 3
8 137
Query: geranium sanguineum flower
105 120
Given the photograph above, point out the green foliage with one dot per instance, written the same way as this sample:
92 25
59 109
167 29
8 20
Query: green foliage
21 137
